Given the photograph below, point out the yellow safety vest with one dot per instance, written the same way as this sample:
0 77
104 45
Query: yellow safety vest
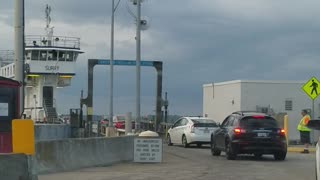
302 126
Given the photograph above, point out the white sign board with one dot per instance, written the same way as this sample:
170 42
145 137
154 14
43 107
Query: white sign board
148 150
52 67
95 128
4 109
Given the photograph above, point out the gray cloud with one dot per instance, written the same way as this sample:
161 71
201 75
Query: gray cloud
199 42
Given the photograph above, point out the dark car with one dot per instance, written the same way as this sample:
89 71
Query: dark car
249 133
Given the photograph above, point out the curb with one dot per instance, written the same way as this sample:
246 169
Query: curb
299 149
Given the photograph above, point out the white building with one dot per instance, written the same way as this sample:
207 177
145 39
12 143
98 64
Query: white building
221 99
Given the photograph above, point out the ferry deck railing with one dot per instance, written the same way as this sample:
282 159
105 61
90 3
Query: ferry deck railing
54 41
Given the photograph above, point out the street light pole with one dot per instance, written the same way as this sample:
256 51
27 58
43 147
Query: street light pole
111 68
138 59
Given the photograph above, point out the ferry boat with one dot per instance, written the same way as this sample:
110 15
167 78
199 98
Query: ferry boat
50 63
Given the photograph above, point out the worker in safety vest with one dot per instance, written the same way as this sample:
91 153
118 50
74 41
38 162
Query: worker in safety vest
304 130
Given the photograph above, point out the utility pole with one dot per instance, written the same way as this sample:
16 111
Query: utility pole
81 111
19 49
111 68
114 8
166 104
138 68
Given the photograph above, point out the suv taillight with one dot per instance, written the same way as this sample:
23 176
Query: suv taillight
239 131
191 129
282 132
258 117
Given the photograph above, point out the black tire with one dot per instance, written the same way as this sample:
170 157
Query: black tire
230 152
280 156
199 145
315 168
184 142
257 155
169 140
214 150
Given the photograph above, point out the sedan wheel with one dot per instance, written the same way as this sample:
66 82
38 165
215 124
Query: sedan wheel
184 141
169 140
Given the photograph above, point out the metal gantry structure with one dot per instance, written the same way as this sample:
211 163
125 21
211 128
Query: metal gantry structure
88 101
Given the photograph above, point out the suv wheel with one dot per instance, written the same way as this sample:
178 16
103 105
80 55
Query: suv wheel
230 152
169 140
280 156
214 150
184 141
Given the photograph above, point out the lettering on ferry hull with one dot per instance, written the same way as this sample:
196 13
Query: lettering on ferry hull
52 68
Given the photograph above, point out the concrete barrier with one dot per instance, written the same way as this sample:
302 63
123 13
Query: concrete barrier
44 132
71 154
14 167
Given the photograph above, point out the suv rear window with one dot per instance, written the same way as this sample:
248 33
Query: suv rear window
260 122
204 123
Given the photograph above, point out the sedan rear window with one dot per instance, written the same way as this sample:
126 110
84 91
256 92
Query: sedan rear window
204 123
260 122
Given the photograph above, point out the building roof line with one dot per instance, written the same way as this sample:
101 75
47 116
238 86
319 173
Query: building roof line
256 81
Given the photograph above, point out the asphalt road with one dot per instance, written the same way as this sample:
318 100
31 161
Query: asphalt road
198 164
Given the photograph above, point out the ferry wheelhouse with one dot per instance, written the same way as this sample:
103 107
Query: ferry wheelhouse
50 63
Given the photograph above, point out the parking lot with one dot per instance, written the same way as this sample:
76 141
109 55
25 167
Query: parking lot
198 163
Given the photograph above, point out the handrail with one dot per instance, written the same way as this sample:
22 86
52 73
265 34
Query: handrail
55 41
45 107
6 55
50 119
54 103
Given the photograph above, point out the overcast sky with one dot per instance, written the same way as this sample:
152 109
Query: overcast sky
199 42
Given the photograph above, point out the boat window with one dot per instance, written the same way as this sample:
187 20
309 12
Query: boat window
69 56
75 56
28 55
43 55
52 55
62 56
35 55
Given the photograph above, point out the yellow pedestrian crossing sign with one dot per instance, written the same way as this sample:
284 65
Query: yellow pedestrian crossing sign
312 88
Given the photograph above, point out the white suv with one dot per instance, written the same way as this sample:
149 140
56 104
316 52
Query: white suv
315 124
191 130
